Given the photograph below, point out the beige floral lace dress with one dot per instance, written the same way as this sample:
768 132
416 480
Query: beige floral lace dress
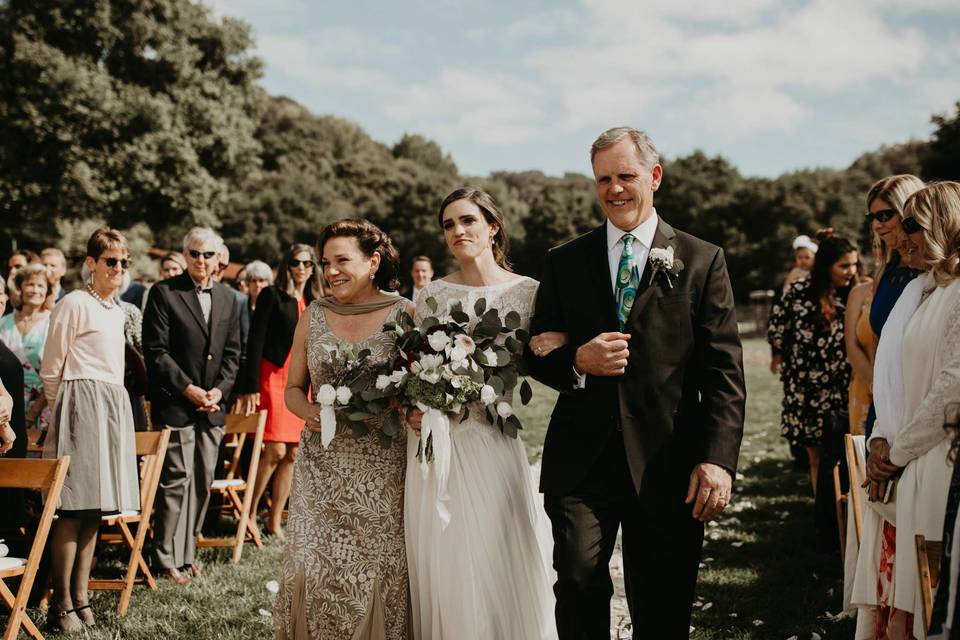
344 574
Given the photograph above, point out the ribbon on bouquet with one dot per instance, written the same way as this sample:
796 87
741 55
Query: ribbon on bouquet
436 423
328 424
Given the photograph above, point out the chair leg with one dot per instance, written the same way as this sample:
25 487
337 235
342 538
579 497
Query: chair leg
18 616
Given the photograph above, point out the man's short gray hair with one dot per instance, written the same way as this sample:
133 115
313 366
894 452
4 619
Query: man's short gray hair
257 270
202 236
646 149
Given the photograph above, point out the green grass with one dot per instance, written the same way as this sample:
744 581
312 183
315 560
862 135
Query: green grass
772 586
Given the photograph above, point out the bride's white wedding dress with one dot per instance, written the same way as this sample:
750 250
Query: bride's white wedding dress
486 575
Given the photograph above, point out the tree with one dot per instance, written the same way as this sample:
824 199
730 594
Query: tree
942 158
122 110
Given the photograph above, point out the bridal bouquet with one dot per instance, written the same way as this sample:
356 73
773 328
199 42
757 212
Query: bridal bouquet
351 375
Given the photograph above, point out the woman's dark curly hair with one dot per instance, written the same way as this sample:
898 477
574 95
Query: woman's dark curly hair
831 249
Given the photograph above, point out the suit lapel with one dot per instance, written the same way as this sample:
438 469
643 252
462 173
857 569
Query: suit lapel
599 269
221 302
662 238
188 296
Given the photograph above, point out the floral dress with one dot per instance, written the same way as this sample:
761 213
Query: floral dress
815 372
29 350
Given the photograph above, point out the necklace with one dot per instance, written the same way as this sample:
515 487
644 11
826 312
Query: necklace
103 303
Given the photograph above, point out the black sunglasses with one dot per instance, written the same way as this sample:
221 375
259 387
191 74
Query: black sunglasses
307 263
910 225
881 216
112 262
206 254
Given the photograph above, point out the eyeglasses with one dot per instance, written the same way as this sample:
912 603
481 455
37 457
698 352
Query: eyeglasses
306 263
883 215
910 225
206 254
112 262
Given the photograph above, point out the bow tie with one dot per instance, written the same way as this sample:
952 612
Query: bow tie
208 290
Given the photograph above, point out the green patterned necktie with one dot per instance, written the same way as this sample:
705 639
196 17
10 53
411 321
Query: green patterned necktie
628 279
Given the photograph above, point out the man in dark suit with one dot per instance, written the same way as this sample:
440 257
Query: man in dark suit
191 343
646 431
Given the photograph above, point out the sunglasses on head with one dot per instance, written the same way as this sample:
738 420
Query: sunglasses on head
306 263
910 225
881 216
112 262
207 255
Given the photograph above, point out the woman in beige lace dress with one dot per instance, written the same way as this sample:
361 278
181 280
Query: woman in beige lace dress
344 573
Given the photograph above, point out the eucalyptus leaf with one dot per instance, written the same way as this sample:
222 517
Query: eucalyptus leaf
512 321
359 429
480 306
511 427
497 383
526 392
432 304
460 317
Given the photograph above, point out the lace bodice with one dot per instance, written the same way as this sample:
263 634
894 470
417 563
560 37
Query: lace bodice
515 295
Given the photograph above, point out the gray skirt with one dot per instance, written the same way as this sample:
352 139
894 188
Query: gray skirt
93 424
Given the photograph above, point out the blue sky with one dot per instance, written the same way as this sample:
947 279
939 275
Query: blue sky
772 86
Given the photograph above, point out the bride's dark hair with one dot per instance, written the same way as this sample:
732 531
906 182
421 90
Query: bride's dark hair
491 213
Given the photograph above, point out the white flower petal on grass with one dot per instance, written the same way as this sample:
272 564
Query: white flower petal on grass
273 586
344 394
265 613
326 394
707 606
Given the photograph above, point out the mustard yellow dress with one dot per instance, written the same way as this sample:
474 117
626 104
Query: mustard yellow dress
860 397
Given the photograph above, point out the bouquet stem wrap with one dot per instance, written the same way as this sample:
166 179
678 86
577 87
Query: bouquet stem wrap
436 427
328 425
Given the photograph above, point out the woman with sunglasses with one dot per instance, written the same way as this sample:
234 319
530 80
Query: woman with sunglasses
262 381
870 303
82 372
916 380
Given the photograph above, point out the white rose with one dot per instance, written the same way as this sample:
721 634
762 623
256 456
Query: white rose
465 342
397 376
415 367
326 395
455 382
664 256
438 340
457 354
382 382
504 410
431 361
487 394
490 356
431 376
344 394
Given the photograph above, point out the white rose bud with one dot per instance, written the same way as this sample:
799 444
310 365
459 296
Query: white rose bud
344 394
504 410
326 395
487 394
382 382
438 340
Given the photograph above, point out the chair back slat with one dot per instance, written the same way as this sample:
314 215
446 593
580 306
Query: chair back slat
20 473
240 427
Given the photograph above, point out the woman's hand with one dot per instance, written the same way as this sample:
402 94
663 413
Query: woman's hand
544 343
7 438
414 417
313 418
879 467
246 404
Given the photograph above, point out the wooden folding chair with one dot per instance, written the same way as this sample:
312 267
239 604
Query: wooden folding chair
840 503
928 568
48 476
855 449
231 486
151 447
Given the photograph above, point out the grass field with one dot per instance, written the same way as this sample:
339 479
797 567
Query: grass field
761 578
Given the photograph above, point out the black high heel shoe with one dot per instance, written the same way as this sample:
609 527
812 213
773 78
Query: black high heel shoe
88 620
63 621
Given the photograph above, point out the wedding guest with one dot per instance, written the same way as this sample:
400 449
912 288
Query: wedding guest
344 572
947 596
909 440
242 307
56 263
257 276
421 273
13 444
885 201
263 383
172 265
82 374
19 259
191 343
804 253
806 336
25 334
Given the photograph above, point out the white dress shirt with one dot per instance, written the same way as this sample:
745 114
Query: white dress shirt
643 232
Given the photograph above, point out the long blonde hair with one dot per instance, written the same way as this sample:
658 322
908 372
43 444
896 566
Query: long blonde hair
936 208
894 192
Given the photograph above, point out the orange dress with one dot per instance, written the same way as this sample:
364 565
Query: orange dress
860 396
282 425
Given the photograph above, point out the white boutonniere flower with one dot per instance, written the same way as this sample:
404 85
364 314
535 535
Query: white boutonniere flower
663 261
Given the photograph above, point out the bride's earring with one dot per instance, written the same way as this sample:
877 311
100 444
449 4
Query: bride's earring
373 276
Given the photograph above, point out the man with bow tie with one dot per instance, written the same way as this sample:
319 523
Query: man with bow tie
191 343
647 428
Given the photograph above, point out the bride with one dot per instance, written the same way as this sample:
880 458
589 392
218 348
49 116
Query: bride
486 573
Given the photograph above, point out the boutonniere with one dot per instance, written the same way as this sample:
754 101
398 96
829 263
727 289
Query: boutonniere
662 261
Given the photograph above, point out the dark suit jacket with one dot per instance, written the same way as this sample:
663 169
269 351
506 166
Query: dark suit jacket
681 400
181 349
271 334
